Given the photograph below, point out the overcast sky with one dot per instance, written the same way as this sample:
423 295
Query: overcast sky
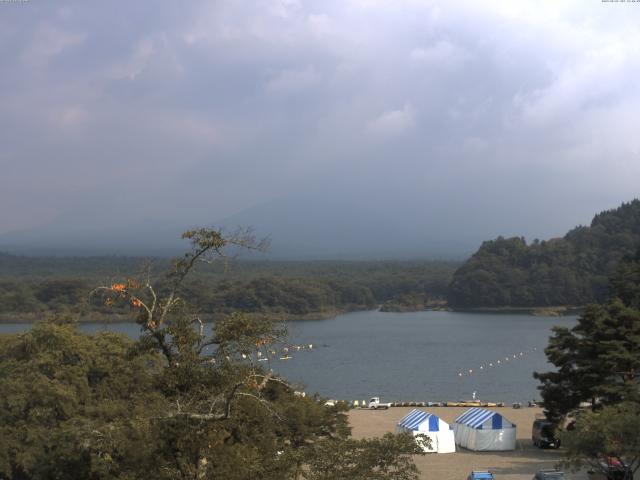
522 116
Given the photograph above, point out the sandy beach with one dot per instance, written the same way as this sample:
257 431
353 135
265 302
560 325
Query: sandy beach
516 465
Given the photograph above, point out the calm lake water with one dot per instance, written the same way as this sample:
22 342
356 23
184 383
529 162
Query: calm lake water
414 356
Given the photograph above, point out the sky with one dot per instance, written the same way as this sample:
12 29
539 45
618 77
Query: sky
389 119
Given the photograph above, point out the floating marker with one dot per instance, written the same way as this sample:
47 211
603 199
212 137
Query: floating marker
497 362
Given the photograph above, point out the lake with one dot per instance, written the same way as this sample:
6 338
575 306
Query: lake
417 356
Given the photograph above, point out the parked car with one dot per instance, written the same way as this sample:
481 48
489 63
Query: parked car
375 403
480 475
543 434
549 475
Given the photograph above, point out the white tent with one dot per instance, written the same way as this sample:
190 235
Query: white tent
484 430
420 422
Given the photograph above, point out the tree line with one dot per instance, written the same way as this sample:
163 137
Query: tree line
572 270
29 286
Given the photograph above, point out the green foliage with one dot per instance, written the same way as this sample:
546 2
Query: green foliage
625 283
573 270
606 441
598 360
386 458
73 403
19 298
284 289
82 406
177 403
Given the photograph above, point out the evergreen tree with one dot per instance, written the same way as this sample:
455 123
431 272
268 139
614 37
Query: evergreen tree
598 360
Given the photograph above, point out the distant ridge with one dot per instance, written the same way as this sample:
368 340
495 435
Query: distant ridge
309 226
572 270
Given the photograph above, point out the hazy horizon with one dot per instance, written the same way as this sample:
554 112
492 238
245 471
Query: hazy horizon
66 243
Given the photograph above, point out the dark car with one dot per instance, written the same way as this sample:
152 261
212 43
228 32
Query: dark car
484 475
549 475
543 434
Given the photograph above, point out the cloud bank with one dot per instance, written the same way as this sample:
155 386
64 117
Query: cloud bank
512 117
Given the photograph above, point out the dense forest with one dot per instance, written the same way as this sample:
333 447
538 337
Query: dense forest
573 270
31 287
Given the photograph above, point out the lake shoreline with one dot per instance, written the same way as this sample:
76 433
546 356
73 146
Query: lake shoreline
547 311
29 318
114 318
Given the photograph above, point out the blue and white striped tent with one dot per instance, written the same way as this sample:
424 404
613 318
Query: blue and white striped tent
484 430
420 422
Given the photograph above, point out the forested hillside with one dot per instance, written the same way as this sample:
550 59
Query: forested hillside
34 287
573 270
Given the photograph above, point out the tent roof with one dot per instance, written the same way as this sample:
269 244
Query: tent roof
416 417
476 417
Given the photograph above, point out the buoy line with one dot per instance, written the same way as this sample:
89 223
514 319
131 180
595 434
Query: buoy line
496 363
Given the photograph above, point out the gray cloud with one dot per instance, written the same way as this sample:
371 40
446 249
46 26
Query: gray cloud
512 118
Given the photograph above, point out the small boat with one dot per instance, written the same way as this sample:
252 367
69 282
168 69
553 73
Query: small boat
287 357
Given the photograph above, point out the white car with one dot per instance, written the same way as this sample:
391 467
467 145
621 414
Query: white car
375 404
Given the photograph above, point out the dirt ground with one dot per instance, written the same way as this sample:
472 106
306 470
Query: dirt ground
517 465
